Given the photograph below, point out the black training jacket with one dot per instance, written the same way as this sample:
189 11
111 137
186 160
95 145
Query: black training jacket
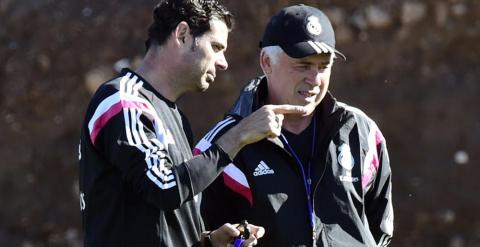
350 185
139 185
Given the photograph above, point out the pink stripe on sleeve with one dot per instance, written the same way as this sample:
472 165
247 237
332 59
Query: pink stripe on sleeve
101 121
196 151
238 188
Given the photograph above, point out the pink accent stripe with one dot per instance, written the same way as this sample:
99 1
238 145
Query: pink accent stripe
378 140
378 137
196 151
111 112
366 178
375 161
238 188
201 146
372 169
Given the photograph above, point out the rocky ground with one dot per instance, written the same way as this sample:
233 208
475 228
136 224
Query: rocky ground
412 65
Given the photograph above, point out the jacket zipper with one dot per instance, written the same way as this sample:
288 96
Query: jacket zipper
309 181
314 234
330 139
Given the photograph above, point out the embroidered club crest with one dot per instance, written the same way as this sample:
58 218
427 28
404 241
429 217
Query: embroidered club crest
313 25
345 158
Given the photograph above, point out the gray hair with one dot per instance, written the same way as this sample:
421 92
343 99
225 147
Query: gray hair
272 52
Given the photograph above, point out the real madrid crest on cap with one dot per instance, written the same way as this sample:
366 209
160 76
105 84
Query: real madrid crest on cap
313 25
300 31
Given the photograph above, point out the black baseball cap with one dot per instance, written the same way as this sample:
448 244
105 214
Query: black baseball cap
300 31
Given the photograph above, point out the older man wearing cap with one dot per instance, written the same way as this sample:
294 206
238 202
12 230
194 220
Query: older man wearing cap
326 179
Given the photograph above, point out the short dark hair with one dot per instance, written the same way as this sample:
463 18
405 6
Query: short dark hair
197 13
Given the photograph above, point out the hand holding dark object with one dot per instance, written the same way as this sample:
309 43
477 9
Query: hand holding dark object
226 234
244 234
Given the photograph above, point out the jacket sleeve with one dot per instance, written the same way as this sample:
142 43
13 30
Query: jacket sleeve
379 207
137 145
220 204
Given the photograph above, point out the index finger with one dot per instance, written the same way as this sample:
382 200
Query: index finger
229 230
288 109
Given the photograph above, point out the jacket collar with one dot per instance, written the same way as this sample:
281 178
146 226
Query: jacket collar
328 113
254 94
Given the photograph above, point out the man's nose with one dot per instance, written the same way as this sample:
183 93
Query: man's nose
221 62
315 77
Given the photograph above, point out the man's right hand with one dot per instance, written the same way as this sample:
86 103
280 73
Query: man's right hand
265 122
224 235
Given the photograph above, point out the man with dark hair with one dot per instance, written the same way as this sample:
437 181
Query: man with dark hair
139 184
197 14
326 180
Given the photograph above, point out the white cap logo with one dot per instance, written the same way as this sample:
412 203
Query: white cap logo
313 25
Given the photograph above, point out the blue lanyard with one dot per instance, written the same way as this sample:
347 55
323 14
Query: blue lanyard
307 179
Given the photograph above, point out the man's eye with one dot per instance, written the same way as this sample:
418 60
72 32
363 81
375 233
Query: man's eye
216 48
303 67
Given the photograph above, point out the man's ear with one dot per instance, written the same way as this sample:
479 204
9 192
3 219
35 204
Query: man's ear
265 63
182 33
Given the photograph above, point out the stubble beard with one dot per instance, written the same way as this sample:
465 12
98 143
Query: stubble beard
196 77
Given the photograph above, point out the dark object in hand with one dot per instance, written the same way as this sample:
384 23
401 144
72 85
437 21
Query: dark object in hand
244 234
244 230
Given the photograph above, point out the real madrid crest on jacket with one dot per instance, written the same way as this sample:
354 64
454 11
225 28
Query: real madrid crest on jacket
346 199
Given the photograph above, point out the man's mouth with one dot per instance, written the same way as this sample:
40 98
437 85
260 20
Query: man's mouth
306 94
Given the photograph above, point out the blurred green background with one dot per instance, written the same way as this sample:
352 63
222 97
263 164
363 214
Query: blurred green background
413 66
